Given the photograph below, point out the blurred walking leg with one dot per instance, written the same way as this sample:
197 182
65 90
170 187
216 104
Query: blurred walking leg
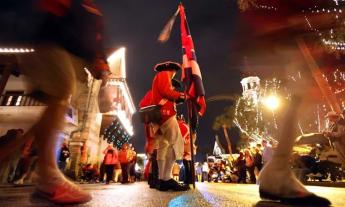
276 180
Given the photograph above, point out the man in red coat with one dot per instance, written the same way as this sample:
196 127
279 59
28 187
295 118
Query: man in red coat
151 144
170 143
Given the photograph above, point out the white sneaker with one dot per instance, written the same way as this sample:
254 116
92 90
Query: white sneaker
62 191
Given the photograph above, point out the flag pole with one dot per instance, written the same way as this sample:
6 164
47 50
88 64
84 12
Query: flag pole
191 132
192 167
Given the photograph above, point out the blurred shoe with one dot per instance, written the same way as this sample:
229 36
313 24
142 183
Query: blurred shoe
153 184
62 191
162 185
301 200
19 182
172 185
278 183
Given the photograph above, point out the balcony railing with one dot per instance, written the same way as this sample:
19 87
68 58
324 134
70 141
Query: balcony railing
19 100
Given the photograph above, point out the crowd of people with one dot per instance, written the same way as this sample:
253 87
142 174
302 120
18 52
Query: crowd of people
317 164
22 167
245 168
117 166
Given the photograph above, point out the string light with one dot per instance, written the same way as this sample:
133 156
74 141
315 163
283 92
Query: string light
336 80
16 50
324 10
260 6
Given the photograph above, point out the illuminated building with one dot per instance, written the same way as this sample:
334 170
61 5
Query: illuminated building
83 120
117 126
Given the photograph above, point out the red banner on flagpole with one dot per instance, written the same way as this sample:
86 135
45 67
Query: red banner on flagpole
191 74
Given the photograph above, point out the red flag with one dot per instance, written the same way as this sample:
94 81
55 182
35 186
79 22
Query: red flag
191 74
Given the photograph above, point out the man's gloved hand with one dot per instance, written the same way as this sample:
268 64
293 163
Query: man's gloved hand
181 99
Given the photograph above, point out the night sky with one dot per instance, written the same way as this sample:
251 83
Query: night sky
216 30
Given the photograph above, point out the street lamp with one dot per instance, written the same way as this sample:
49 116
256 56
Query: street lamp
272 102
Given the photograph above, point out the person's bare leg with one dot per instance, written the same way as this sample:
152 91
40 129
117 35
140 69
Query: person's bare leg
50 180
46 138
276 180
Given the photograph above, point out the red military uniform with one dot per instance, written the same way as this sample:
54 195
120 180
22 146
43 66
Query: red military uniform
164 94
147 101
170 143
184 128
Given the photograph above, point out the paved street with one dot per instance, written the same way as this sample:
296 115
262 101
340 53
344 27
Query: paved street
138 194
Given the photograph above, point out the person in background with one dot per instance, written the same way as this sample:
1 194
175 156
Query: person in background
205 170
26 161
12 161
124 161
132 162
64 155
198 170
101 172
267 152
176 171
90 173
110 159
257 160
241 168
117 171
336 134
250 165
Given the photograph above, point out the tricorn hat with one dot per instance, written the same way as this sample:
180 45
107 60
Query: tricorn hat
169 65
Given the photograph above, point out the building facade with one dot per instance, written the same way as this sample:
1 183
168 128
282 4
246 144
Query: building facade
82 131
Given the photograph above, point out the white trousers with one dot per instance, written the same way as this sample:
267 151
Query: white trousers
169 140
165 166
170 147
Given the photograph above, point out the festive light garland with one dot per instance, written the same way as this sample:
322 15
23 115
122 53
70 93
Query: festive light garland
324 10
251 128
115 133
336 80
332 39
251 115
16 50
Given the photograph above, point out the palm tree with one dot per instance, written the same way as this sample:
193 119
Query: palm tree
225 121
